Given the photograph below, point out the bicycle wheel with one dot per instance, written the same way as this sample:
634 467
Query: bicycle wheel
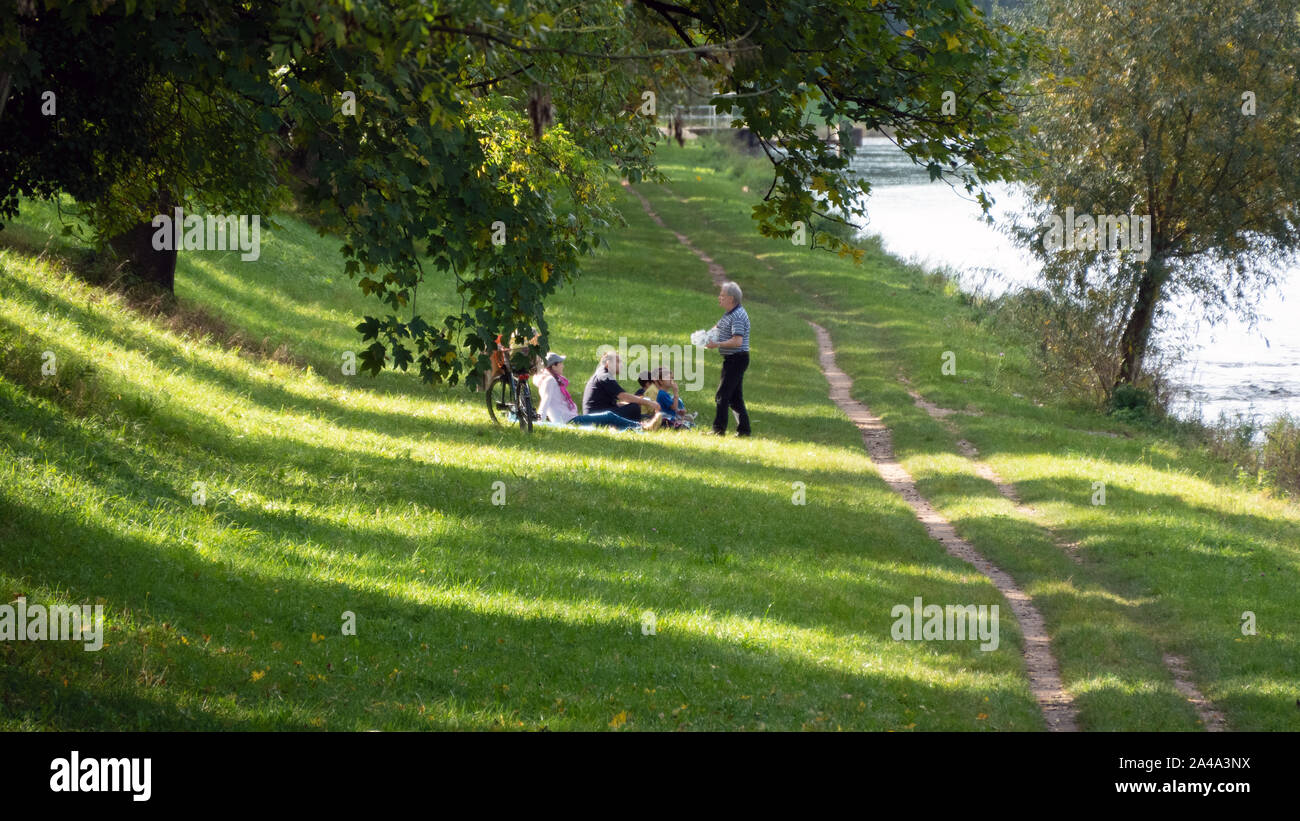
499 400
526 414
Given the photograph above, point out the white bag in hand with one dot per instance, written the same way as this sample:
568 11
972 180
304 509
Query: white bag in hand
700 337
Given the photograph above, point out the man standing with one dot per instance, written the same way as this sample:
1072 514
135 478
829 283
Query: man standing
732 333
603 393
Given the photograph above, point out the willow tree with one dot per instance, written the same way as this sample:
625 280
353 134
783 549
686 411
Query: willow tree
1187 113
473 140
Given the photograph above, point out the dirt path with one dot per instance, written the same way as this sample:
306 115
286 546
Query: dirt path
1044 676
984 470
1210 717
716 271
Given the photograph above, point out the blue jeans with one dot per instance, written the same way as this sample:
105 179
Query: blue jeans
605 418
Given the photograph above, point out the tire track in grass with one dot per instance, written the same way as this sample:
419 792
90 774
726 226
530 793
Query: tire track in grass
1211 718
984 470
1044 676
1209 714
716 271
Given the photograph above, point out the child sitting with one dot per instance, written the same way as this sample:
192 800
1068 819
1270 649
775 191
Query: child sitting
667 395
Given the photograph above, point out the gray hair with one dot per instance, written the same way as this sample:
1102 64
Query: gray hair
732 290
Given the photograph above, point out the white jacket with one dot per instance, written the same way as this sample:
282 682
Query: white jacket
550 399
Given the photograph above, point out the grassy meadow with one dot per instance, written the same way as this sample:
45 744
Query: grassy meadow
324 493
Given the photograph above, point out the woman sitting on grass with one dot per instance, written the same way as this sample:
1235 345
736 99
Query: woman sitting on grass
555 405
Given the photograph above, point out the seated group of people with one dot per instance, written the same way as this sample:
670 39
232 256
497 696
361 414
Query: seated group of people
604 402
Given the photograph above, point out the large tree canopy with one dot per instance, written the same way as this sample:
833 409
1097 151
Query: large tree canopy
1187 113
474 121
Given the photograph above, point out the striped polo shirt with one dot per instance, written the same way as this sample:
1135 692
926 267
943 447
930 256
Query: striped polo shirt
733 322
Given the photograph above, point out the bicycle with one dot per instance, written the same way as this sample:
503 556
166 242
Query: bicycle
508 393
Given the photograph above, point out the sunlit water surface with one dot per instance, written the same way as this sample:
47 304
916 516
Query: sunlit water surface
1229 368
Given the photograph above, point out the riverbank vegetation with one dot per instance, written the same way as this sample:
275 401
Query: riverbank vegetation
1164 163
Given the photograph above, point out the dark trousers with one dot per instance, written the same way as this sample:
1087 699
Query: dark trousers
730 394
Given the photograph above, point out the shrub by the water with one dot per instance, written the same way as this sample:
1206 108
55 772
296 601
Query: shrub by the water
1279 455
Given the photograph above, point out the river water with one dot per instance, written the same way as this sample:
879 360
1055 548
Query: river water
1229 368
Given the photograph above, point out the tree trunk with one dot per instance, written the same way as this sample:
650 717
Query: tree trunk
135 245
4 92
1133 344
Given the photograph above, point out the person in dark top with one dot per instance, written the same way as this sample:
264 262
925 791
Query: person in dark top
603 393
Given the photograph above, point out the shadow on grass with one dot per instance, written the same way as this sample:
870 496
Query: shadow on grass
1184 523
478 664
720 559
